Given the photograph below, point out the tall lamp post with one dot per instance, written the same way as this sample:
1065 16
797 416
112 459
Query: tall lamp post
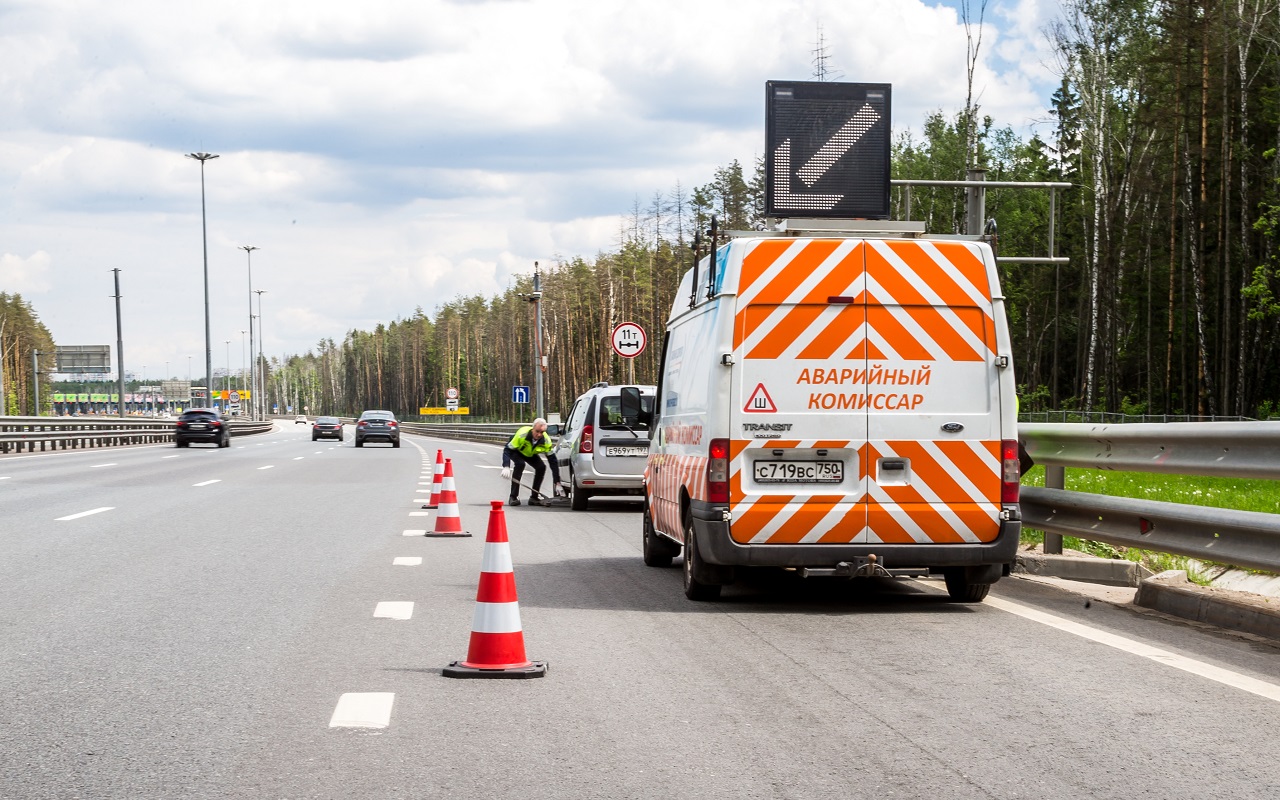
244 361
226 379
262 367
204 233
248 252
119 350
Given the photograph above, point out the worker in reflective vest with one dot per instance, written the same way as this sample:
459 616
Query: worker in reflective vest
526 448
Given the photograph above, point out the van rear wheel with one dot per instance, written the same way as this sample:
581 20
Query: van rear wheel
577 495
695 589
962 590
658 551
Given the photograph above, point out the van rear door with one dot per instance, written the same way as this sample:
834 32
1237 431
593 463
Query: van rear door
933 393
798 471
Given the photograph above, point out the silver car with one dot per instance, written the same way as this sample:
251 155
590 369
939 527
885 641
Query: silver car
605 452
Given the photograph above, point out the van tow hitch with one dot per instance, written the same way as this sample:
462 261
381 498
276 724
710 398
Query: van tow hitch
868 567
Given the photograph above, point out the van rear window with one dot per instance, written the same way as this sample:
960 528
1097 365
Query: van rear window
611 414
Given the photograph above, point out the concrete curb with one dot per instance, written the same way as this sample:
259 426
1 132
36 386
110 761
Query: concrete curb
1106 571
1171 593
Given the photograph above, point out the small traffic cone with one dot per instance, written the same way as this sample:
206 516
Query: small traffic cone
448 520
437 481
497 641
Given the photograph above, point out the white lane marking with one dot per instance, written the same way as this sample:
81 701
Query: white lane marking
393 609
95 466
477 452
318 452
298 458
363 710
269 466
5 477
1226 677
85 513
206 483
419 513
163 457
407 561
412 532
259 444
421 491
488 466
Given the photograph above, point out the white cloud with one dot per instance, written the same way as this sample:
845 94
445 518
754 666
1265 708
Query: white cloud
25 275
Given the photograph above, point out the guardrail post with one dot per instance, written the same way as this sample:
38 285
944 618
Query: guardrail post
1054 478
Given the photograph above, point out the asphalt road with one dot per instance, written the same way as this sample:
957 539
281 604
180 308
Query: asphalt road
194 641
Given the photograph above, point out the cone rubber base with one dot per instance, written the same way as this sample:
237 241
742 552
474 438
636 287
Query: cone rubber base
536 669
461 535
431 506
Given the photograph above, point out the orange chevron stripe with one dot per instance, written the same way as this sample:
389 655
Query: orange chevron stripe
793 323
783 284
927 469
982 471
866 350
850 525
896 334
884 526
752 520
806 518
930 273
836 333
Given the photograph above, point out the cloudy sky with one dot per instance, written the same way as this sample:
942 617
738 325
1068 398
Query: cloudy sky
386 155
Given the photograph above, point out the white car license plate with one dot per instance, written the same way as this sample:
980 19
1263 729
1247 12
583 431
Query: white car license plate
199 426
626 451
799 471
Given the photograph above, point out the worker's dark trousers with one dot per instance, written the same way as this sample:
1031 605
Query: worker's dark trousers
518 462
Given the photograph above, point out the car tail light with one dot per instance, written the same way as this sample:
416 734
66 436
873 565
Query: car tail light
718 471
217 423
182 423
588 442
362 424
1010 471
391 423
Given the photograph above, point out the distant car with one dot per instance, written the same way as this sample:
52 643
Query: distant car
326 428
377 426
604 451
301 419
202 425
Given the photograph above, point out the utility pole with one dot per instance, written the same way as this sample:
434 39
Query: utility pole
541 361
262 367
253 392
204 238
35 378
119 348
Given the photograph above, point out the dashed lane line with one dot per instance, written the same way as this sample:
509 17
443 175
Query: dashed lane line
174 456
419 513
298 458
96 466
407 561
85 513
413 532
363 710
393 609
1226 677
206 483
269 466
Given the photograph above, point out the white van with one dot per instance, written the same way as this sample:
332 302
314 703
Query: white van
838 403
602 451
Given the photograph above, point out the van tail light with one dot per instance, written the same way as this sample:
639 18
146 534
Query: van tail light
1010 471
718 471
587 444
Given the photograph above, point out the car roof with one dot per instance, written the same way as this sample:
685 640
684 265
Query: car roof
378 414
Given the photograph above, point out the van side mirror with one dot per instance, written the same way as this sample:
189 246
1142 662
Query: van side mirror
629 400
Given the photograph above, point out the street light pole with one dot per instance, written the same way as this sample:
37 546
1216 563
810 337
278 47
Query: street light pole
119 348
248 252
262 367
540 366
204 233
226 379
35 378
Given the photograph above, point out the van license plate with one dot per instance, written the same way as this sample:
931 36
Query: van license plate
799 471
626 451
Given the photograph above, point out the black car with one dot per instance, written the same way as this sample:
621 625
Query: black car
202 425
326 428
377 426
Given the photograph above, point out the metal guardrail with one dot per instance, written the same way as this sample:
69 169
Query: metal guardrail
493 433
27 434
1248 539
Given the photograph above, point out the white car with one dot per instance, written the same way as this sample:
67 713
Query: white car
301 419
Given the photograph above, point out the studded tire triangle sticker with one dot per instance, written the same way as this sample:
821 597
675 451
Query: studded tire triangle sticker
760 402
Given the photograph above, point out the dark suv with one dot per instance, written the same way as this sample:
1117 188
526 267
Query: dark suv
326 427
377 426
202 425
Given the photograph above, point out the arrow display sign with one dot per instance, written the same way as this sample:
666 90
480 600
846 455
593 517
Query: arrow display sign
827 149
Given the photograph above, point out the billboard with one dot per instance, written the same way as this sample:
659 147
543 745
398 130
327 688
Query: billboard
827 149
84 358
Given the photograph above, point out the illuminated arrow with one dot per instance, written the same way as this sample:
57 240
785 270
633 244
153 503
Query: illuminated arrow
838 145
783 198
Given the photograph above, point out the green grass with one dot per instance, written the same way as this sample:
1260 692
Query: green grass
1234 493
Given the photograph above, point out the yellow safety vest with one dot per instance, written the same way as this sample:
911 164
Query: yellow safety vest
523 444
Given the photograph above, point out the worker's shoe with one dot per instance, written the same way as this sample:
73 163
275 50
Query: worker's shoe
536 500
513 501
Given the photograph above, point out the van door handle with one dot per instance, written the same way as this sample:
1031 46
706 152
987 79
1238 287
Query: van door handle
893 466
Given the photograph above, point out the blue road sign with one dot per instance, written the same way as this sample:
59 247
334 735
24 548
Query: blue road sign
520 394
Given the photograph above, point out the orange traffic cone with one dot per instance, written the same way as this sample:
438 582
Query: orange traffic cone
448 520
497 642
437 481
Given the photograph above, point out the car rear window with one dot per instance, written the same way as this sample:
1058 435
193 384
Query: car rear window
611 414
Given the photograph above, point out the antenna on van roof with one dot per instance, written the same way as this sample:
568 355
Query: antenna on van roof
711 258
697 246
